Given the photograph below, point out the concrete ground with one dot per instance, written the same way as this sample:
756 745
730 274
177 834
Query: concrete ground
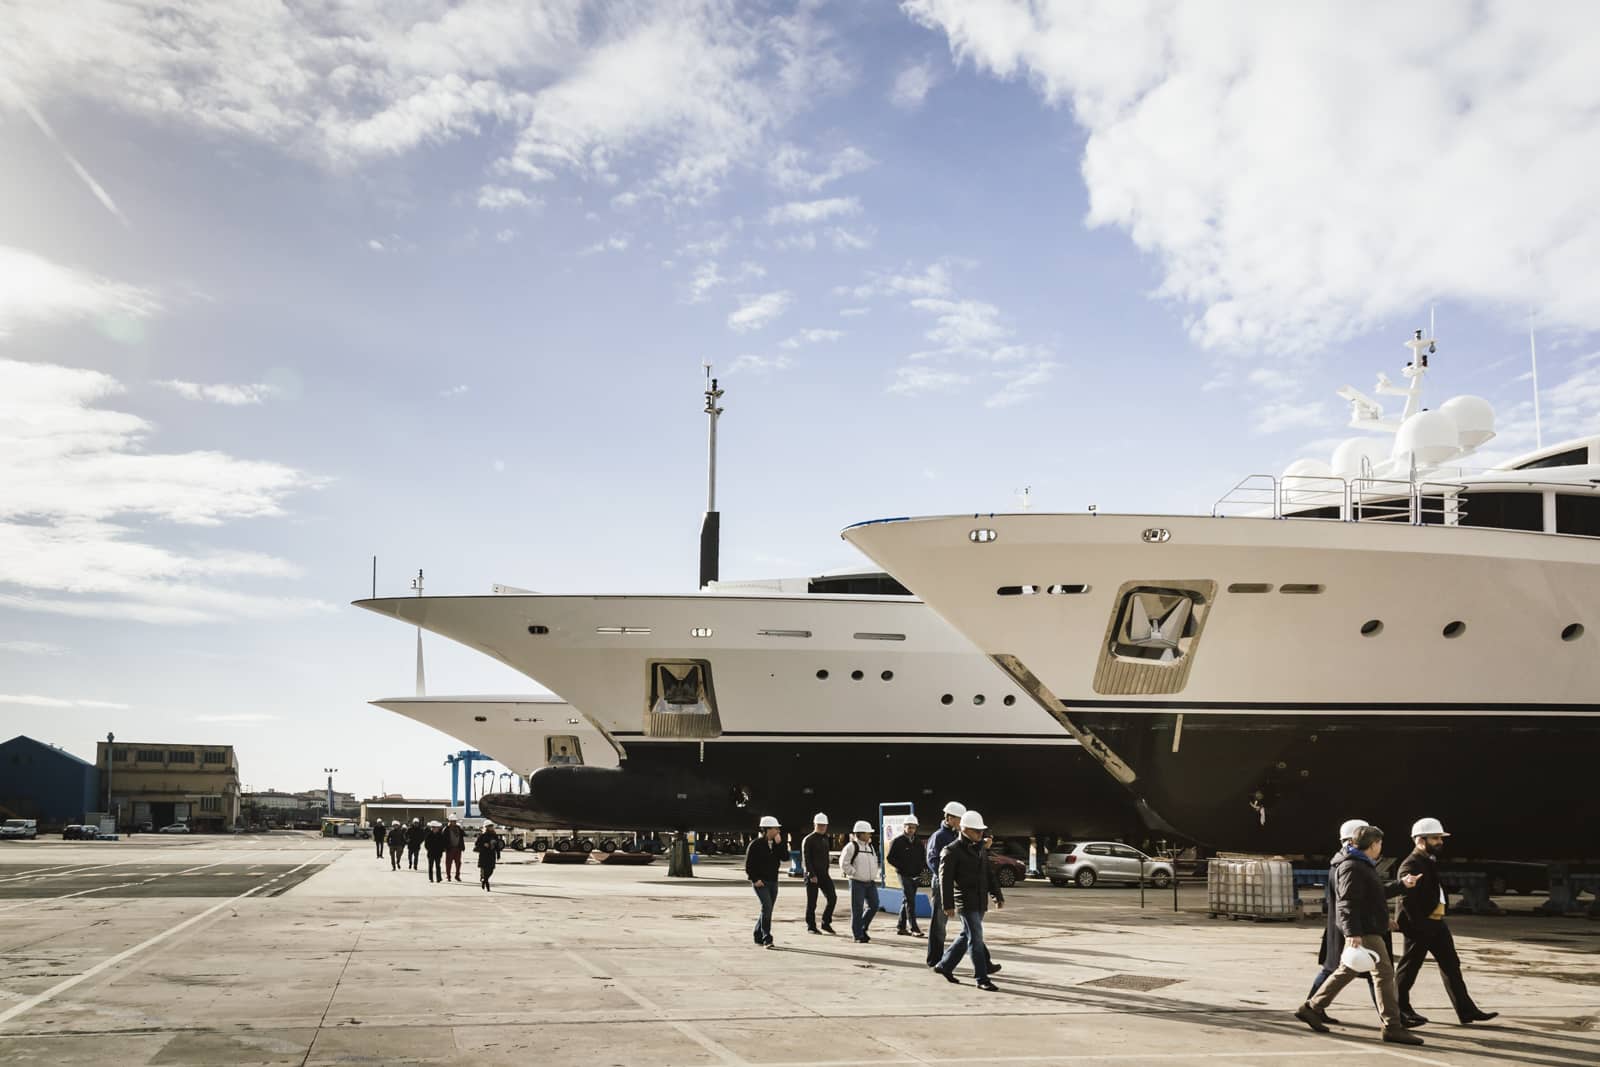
290 949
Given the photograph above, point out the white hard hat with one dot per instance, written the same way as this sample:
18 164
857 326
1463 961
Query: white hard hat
955 807
1358 959
769 823
862 826
416 820
455 818
1350 828
435 823
972 820
820 819
911 820
1428 828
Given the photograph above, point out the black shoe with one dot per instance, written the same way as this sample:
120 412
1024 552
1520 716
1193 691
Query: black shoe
984 983
768 943
903 932
1410 1020
994 968
827 928
948 977
1401 1037
1480 1017
1308 1015
812 930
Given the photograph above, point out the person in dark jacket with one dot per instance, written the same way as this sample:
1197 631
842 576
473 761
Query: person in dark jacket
1423 924
397 841
1363 919
455 843
910 863
488 848
1332 940
815 861
433 845
965 886
378 833
414 835
762 861
941 839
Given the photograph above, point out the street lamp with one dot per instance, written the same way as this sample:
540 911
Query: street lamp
111 756
330 772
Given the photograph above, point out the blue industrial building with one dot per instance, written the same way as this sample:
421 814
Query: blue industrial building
40 781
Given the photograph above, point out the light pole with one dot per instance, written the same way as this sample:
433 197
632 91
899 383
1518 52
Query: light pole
111 756
330 772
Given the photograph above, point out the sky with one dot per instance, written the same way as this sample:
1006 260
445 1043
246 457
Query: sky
284 287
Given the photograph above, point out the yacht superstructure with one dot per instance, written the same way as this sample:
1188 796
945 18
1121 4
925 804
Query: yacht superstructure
1387 635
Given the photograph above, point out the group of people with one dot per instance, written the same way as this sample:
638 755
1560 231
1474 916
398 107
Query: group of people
956 855
1357 942
443 843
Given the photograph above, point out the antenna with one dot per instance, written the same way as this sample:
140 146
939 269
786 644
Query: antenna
711 525
422 682
1533 356
1023 495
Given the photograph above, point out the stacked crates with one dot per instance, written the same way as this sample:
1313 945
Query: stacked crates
1250 887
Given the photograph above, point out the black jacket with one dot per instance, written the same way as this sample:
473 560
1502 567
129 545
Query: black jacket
1359 909
397 835
1421 899
907 858
433 841
488 848
816 857
965 882
414 835
762 860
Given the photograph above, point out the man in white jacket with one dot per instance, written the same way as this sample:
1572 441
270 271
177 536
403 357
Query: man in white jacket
858 862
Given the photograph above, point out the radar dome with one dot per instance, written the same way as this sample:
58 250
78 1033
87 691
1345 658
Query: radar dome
1301 480
1429 437
1348 456
1474 419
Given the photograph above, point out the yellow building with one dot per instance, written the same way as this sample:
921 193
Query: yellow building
154 785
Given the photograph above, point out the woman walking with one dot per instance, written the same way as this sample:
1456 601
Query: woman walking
488 850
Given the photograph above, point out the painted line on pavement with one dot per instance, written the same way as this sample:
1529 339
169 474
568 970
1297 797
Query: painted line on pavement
689 1030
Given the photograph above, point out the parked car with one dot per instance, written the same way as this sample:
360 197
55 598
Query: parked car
1092 862
80 832
1007 870
19 829
176 828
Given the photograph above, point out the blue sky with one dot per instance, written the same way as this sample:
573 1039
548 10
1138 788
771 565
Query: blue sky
284 288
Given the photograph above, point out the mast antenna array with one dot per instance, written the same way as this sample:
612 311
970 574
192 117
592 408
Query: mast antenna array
711 525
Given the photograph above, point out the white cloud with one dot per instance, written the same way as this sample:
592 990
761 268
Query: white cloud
755 312
31 648
34 289
811 337
805 241
913 379
912 85
76 473
375 245
502 197
505 236
230 395
454 391
849 240
1275 416
32 701
936 279
791 171
617 242
759 364
708 276
1303 173
854 313
1020 384
805 212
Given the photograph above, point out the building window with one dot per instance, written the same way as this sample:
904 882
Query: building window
214 757
176 756
210 803
121 755
150 755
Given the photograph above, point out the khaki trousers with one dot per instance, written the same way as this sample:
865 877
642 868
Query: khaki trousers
1388 991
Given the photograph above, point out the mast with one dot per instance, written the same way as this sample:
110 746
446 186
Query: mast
422 686
711 525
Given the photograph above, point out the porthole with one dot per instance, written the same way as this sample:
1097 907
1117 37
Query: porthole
480 718
1372 628
1066 590
1017 590
538 630
1300 587
1010 699
1455 629
1572 632
887 676
700 631
947 699
981 537
1250 587
856 676
977 698
822 676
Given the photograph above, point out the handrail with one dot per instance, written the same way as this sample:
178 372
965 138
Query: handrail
1331 498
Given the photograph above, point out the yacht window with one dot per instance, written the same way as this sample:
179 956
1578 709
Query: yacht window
783 633
1017 590
857 585
1455 629
537 630
1299 587
1578 514
1372 628
1009 700
1250 587
1574 457
1572 632
947 699
1066 590
822 675
879 637
1504 511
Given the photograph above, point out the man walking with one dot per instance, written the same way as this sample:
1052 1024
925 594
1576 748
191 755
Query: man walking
858 862
908 861
433 844
397 841
1363 919
455 843
1332 939
1422 922
941 839
815 865
414 836
965 886
377 835
762 861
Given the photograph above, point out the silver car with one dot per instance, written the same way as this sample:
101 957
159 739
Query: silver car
1111 862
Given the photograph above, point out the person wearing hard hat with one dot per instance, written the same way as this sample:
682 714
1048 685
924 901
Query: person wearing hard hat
1423 924
378 833
414 835
910 863
455 843
1332 939
488 848
815 852
397 841
965 886
938 841
1363 918
762 861
858 862
433 845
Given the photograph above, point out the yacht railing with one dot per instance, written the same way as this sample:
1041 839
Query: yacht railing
1334 499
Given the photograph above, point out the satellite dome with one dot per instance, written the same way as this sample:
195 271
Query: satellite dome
1302 481
1474 419
1351 451
1429 437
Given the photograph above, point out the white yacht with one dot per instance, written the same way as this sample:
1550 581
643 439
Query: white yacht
523 732
1388 634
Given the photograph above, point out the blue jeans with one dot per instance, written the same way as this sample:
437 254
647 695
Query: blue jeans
768 895
863 906
908 905
971 934
936 928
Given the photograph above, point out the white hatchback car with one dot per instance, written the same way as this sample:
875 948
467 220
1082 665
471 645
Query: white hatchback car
1093 862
